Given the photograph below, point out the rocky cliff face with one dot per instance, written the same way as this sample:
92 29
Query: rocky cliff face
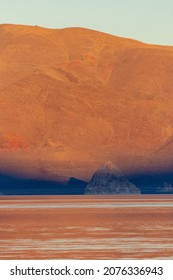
110 180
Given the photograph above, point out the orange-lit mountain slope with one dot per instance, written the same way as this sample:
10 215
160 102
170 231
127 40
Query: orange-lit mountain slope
71 99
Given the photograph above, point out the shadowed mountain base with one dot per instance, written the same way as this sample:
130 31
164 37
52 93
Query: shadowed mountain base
17 186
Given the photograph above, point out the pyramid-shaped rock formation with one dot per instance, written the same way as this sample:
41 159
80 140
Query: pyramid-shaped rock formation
110 180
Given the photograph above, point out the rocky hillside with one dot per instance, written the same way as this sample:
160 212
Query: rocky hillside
70 99
110 180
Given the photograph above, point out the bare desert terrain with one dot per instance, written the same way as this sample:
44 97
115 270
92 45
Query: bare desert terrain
73 98
86 227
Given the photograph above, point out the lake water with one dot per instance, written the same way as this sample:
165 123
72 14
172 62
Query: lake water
86 227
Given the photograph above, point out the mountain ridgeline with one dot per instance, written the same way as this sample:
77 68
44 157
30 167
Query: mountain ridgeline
73 99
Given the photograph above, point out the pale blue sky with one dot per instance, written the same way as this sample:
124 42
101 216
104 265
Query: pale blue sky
150 21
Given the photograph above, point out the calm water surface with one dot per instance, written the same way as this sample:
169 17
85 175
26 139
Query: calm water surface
86 227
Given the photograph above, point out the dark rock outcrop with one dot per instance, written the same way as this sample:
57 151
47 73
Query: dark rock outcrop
110 180
167 188
76 186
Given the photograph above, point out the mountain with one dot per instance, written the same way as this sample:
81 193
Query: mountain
110 180
73 98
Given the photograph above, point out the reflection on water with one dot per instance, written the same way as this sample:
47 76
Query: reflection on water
83 227
70 246
115 205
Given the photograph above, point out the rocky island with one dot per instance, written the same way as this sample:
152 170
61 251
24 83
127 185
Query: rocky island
110 180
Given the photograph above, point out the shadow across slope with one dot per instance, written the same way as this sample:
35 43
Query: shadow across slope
10 185
151 183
